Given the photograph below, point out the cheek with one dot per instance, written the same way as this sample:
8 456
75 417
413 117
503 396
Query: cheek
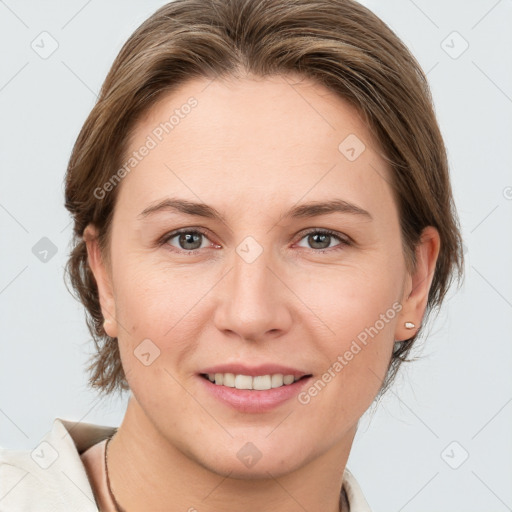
153 307
356 312
349 299
152 298
157 309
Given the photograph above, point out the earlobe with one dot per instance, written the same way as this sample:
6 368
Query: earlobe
417 285
103 280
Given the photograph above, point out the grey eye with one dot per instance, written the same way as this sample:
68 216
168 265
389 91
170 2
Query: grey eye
187 240
321 240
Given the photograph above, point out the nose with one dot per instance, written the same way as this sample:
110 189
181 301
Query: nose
254 302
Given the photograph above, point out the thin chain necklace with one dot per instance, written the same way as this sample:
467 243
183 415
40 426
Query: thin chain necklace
112 497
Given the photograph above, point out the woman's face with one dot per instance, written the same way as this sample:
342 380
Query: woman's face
261 282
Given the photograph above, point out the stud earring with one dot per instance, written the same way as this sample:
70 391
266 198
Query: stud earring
409 325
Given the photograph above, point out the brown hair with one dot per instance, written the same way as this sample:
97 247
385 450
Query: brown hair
337 43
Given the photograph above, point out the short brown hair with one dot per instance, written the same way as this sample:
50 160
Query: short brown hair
337 43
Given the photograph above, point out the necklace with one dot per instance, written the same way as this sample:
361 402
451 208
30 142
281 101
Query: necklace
112 497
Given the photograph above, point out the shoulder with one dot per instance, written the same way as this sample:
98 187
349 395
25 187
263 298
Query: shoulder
355 495
51 476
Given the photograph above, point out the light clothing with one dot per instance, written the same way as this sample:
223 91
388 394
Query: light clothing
53 477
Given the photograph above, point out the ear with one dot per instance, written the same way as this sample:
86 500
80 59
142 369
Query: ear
103 280
417 284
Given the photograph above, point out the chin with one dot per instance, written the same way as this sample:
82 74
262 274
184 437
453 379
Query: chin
260 458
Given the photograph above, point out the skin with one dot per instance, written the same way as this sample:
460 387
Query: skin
252 148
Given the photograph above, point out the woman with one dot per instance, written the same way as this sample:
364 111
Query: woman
263 223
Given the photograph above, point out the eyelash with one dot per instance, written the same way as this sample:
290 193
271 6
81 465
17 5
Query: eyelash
344 241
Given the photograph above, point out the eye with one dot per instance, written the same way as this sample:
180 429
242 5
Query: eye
192 240
320 240
186 240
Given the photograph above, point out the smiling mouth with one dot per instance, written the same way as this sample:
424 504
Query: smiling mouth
247 382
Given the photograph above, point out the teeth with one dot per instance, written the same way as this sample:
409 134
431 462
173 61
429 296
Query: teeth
262 382
242 382
288 379
259 383
229 380
277 380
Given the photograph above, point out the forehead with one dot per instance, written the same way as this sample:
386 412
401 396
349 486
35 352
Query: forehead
254 139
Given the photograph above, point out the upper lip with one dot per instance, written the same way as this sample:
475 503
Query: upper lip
253 371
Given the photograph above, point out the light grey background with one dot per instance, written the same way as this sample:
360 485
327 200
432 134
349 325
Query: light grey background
459 391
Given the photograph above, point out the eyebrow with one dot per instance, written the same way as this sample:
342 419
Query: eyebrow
306 210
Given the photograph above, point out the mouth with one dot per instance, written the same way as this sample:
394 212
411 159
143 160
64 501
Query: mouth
253 383
257 389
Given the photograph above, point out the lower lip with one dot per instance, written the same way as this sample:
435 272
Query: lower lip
254 401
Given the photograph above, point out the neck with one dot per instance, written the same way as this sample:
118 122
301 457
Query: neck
149 472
